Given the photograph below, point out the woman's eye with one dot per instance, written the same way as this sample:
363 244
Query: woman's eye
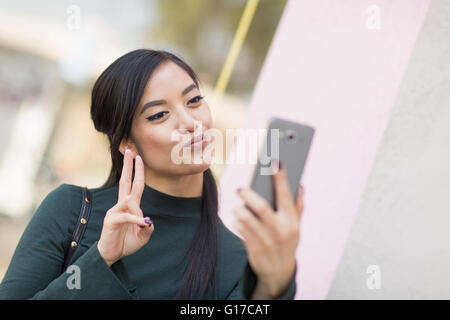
161 114
156 116
196 99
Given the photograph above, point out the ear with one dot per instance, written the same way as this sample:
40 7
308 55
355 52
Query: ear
122 146
126 143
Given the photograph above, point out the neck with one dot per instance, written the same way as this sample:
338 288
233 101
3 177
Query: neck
177 186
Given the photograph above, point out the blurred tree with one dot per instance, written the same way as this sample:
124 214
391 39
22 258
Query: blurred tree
202 31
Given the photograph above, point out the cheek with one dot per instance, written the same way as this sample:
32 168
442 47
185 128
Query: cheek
155 145
205 116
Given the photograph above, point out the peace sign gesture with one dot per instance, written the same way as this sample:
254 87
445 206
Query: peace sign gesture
270 237
125 230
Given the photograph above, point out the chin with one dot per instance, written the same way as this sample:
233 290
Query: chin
195 167
188 169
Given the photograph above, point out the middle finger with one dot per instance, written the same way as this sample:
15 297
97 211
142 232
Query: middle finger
283 194
258 205
125 178
138 182
253 227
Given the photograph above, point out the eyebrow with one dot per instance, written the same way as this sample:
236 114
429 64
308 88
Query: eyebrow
159 102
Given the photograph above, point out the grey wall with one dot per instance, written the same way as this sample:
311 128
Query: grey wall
403 223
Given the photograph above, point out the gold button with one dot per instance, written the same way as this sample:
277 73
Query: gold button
83 221
74 244
87 200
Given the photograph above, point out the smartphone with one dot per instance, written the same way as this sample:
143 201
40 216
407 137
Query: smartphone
289 142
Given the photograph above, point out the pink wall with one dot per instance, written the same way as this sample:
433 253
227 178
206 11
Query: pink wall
326 68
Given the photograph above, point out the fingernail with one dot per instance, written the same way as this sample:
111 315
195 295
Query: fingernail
239 190
276 164
148 221
280 165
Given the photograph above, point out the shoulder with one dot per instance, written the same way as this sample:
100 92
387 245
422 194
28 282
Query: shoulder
60 200
232 259
67 199
229 236
70 195
54 215
62 196
231 245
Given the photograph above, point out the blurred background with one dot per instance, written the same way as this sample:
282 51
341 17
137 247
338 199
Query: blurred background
51 53
371 76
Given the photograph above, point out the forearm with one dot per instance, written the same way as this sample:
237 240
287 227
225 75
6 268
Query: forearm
96 279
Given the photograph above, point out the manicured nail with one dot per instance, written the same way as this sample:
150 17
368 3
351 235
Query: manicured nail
239 190
275 163
148 221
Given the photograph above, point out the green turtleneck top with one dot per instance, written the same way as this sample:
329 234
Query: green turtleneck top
35 270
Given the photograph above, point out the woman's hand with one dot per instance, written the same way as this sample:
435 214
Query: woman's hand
270 237
125 230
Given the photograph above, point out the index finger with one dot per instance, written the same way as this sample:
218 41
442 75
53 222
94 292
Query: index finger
125 177
138 182
283 194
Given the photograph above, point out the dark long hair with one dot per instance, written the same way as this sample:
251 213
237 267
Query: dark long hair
115 98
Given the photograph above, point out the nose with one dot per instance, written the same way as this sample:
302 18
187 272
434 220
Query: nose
186 123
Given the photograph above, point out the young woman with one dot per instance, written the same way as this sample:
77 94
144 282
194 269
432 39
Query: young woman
154 231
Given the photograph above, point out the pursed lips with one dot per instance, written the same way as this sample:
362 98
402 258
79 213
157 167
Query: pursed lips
194 140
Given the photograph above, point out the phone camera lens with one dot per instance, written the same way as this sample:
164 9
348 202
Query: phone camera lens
291 136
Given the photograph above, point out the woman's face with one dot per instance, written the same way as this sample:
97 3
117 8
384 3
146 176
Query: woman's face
170 104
